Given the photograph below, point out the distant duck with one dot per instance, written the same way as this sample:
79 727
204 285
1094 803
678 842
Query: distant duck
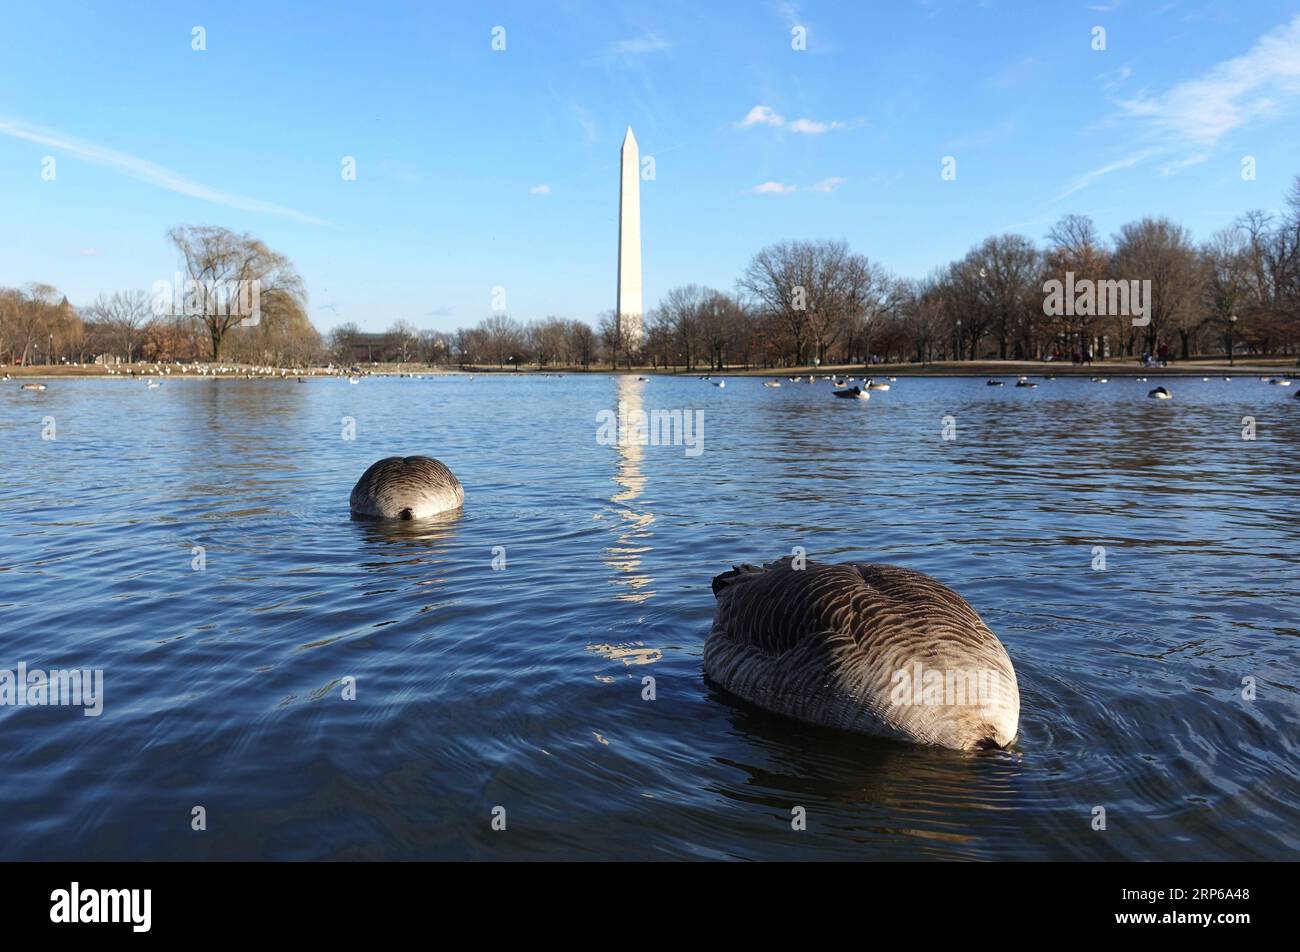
1101 380
1279 382
643 379
32 386
771 383
1024 382
852 393
1160 393
993 383
862 647
412 487
872 385
839 384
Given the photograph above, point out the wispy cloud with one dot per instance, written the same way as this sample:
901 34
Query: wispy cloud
143 170
1083 181
1262 83
1188 121
540 190
767 116
828 184
781 188
640 45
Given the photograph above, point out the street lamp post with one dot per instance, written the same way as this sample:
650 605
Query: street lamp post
1232 323
959 341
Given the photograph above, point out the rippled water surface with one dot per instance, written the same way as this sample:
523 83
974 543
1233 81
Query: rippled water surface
523 687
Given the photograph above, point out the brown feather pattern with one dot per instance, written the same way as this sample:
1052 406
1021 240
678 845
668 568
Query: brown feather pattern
840 645
411 487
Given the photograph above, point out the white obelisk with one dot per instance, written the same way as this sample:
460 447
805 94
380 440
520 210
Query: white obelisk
629 242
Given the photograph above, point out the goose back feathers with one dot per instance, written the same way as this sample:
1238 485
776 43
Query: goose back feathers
862 647
411 487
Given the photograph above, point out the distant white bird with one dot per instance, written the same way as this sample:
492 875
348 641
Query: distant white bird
721 383
153 384
1101 380
771 383
357 380
32 386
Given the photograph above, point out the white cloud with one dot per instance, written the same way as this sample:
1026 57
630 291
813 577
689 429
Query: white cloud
761 115
828 184
767 116
540 190
1192 118
773 188
640 45
143 170
812 127
1083 181
1264 82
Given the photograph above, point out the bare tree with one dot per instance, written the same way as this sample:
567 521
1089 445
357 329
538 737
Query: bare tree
221 264
125 315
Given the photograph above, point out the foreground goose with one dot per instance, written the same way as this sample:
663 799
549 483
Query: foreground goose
869 648
412 487
852 393
1160 393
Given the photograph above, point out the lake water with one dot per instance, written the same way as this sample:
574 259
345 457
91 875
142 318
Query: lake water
522 687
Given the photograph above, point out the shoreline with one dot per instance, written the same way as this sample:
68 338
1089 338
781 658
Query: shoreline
1269 366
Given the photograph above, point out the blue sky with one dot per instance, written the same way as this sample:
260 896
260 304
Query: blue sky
478 168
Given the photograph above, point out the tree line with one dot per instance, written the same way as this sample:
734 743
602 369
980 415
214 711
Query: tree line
796 303
804 302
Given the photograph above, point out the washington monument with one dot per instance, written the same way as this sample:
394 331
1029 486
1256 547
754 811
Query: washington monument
629 243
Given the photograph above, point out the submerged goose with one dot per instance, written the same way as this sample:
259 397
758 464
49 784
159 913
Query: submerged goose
852 393
872 385
1160 393
412 487
875 649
